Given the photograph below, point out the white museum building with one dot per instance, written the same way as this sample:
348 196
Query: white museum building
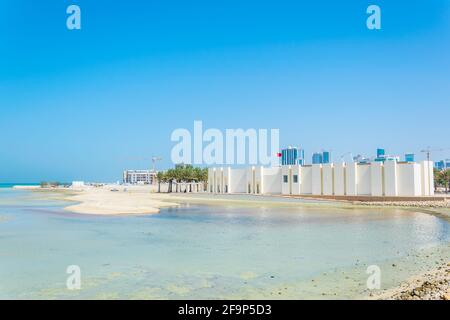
389 178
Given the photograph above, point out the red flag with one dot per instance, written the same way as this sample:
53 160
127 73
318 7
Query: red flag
279 155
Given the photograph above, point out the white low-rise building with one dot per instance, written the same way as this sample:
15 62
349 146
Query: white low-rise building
139 177
77 185
389 178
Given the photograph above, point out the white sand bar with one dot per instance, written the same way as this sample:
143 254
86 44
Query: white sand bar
110 200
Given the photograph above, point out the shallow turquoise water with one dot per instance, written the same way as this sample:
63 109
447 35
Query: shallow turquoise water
199 251
10 185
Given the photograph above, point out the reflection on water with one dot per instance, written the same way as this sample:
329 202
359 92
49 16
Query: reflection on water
202 251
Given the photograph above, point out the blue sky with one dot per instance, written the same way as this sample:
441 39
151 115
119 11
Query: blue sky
86 104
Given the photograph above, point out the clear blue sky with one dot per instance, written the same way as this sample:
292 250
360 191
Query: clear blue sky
83 104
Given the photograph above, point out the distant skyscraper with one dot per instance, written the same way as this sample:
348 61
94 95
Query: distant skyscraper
317 158
361 159
292 156
301 157
440 165
326 157
381 155
409 157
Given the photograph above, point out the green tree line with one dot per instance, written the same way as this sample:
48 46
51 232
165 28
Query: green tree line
50 184
182 174
442 179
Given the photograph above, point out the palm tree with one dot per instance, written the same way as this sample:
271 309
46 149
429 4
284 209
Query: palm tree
178 175
204 178
188 176
442 179
197 176
170 177
446 179
437 178
160 176
185 174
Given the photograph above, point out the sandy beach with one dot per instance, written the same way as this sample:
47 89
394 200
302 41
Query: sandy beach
113 200
19 187
122 200
431 285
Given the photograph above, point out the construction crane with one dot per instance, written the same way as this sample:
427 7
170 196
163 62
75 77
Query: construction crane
154 159
428 151
345 154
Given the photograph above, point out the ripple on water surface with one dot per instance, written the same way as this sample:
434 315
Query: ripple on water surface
200 251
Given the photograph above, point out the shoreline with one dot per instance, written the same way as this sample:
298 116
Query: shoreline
433 284
116 200
119 200
107 200
435 202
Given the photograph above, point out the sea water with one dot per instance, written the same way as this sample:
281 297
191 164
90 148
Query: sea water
207 252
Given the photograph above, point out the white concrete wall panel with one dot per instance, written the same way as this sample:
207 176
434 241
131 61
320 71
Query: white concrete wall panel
211 186
409 179
427 178
339 179
327 179
296 186
363 181
390 179
376 179
250 185
430 177
259 179
306 185
316 179
285 172
351 177
272 180
238 181
226 179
